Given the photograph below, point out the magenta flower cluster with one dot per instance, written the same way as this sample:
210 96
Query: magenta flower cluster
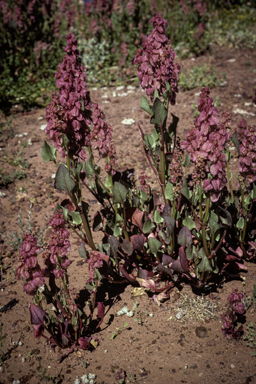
156 62
101 136
247 158
28 268
69 112
205 144
55 258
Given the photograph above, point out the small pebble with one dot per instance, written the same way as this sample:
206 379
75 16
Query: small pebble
128 121
42 128
232 366
201 332
151 314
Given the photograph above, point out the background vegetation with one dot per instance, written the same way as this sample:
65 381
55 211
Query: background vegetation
32 37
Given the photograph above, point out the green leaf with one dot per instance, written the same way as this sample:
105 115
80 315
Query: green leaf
65 141
65 213
154 245
63 180
188 222
184 237
82 251
148 226
236 142
169 191
173 126
184 189
158 219
117 231
127 247
149 142
48 152
145 105
204 265
160 113
119 192
76 218
224 216
187 160
240 223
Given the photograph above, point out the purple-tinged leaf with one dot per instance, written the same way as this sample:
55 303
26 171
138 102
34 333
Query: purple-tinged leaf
138 242
84 342
148 284
161 297
101 312
166 259
183 259
127 247
37 315
38 331
65 340
185 237
169 220
63 180
137 218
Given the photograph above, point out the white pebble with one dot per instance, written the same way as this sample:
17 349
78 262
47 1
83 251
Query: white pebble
231 60
242 112
128 121
232 366
120 88
43 127
53 175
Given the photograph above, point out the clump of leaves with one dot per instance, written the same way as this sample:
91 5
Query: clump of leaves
230 318
250 337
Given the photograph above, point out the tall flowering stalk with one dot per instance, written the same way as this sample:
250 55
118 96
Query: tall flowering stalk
205 144
157 70
158 75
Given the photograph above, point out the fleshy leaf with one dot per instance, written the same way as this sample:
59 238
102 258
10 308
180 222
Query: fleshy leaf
48 152
76 218
148 226
64 181
82 252
154 245
114 244
37 315
148 284
225 216
185 237
127 247
160 113
136 216
145 105
119 192
138 242
101 313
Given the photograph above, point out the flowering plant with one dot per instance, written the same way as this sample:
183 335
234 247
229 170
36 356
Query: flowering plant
192 229
55 313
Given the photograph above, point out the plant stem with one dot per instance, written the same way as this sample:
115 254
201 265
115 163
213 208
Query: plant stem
229 181
203 226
